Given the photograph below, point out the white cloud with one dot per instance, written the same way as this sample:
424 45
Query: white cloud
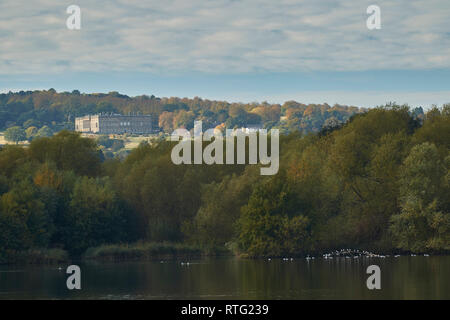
223 36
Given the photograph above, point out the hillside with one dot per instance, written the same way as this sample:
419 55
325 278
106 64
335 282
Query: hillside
58 110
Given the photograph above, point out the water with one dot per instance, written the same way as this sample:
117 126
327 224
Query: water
230 278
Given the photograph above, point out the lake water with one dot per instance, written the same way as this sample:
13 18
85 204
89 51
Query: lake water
405 277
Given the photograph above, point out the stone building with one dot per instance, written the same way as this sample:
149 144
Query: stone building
114 124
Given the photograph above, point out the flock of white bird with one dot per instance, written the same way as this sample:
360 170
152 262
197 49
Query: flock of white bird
350 254
343 254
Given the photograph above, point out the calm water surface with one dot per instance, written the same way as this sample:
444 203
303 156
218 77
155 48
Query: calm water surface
230 278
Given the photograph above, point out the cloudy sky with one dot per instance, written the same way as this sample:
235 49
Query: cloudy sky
238 50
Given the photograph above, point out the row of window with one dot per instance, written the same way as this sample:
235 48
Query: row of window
122 124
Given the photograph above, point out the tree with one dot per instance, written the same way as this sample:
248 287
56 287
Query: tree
69 151
436 129
421 175
271 224
31 123
331 124
45 131
24 222
421 225
215 221
267 113
31 132
105 141
166 121
117 145
184 119
95 216
15 134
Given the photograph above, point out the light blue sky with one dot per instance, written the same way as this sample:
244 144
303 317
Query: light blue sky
249 50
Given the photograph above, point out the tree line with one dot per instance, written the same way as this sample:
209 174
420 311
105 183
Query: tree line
381 181
56 111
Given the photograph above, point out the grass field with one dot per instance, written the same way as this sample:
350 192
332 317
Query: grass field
133 142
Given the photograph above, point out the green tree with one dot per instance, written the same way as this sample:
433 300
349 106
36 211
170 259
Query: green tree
436 129
215 222
95 216
24 222
30 123
117 145
69 151
105 141
422 225
31 132
271 224
45 131
15 134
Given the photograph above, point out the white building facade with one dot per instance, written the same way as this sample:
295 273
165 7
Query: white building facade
114 124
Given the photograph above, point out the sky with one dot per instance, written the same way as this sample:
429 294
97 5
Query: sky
236 50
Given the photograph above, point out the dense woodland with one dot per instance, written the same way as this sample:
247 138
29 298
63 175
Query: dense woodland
381 181
31 111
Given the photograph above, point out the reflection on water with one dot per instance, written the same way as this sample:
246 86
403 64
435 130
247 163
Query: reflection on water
229 278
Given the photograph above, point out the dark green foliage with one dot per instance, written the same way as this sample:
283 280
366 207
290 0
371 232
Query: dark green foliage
24 220
271 224
381 181
95 216
68 152
47 198
113 144
424 222
367 185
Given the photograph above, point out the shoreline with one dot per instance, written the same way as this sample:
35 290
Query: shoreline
152 251
35 256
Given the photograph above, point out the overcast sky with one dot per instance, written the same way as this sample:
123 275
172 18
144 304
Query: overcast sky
238 50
